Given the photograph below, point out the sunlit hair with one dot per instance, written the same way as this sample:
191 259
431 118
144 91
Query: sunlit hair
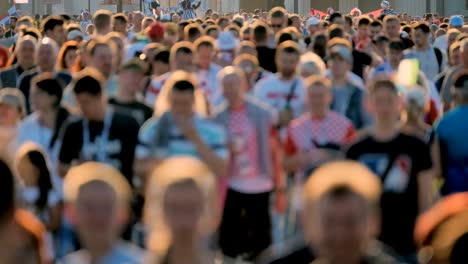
162 103
313 64
25 39
179 171
66 47
88 172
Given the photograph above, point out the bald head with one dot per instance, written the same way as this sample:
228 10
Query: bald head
46 54
233 84
25 52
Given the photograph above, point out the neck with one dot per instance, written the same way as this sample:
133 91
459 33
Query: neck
385 129
100 115
286 77
47 117
99 250
236 104
186 249
126 96
318 114
339 80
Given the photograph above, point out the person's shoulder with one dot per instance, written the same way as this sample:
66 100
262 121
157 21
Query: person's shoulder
125 120
129 253
29 121
340 119
299 121
8 69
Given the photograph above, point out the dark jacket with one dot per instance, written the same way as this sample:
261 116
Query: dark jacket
9 76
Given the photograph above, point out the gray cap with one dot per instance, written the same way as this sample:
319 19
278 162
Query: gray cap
342 51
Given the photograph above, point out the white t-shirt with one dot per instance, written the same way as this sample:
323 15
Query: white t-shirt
275 92
30 130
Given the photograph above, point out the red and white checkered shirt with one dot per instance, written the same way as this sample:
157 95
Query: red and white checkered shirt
303 131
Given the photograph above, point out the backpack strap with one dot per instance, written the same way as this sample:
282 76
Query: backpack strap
439 55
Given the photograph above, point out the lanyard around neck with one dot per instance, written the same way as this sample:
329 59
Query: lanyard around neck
101 141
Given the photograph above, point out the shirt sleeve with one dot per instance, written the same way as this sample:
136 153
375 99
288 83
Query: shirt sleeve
290 147
146 137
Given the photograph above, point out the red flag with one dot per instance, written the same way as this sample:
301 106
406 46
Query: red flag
375 13
314 12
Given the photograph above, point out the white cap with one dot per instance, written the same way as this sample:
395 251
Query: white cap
226 41
313 21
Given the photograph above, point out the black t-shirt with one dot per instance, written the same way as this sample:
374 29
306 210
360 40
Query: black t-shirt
138 110
399 202
266 58
119 149
360 59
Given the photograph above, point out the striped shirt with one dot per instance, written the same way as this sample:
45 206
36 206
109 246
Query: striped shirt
212 134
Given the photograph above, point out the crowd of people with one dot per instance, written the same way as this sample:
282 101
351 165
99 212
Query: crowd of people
263 137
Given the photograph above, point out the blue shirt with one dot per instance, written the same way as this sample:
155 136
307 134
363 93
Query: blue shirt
451 133
123 253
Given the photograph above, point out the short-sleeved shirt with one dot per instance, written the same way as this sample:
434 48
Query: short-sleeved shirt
212 134
138 110
399 201
305 132
274 92
427 61
451 134
119 149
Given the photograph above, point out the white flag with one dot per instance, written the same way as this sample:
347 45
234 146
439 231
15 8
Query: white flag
21 1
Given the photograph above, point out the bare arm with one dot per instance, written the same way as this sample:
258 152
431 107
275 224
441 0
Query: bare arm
55 215
425 190
215 163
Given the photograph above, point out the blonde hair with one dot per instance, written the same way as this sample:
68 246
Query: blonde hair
94 171
178 171
162 103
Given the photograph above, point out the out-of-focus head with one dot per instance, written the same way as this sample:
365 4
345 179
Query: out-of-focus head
102 56
278 18
88 88
181 198
12 107
234 84
312 64
102 21
53 27
25 50
46 54
97 200
182 56
341 215
287 58
385 103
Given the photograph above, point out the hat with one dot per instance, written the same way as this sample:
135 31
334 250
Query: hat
133 65
456 21
227 41
74 34
313 21
342 51
380 38
155 31
351 174
14 98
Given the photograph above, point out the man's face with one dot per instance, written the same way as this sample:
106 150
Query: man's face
313 29
386 104
96 214
41 100
420 38
131 80
9 115
137 19
392 29
119 26
183 209
277 23
364 31
343 229
214 34
375 31
318 98
339 21
232 89
13 23
205 56
339 66
102 60
46 57
184 61
25 54
395 56
89 105
182 102
58 34
287 63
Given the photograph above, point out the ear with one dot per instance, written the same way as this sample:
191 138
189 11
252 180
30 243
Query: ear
70 213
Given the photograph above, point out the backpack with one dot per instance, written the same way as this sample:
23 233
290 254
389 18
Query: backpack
439 55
